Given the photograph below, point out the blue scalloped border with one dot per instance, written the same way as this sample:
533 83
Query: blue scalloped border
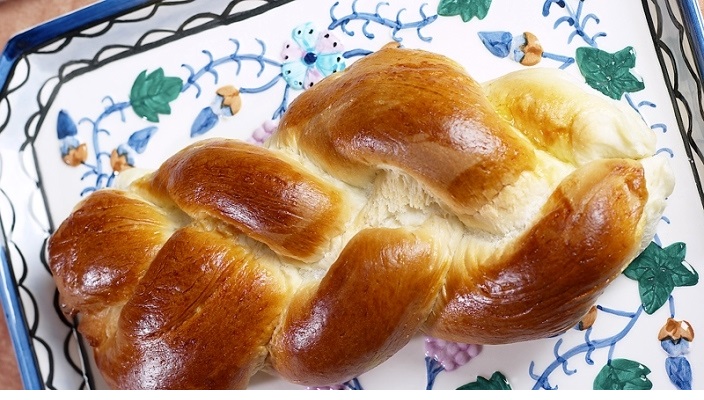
17 323
45 34
695 25
16 48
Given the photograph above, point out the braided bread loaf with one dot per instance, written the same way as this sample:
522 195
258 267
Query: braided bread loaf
396 197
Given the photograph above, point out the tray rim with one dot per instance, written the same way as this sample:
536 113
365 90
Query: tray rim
692 13
19 45
64 27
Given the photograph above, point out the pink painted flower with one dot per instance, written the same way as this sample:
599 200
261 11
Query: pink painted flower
310 57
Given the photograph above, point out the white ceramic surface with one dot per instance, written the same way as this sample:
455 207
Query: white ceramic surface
78 92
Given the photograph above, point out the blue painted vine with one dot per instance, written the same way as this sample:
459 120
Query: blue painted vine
575 19
150 96
396 24
307 58
658 271
607 72
611 74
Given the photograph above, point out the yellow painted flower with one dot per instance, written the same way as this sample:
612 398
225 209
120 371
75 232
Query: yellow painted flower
588 320
530 48
675 330
120 161
75 155
230 98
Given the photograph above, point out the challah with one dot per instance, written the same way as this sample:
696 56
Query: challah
396 197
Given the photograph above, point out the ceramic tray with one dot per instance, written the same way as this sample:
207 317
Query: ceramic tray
125 84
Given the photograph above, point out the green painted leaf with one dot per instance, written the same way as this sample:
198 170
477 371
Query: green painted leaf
152 93
623 374
467 9
658 271
654 288
609 73
496 382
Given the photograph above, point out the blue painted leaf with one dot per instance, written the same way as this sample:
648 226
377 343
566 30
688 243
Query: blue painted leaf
680 372
498 43
138 140
65 126
204 122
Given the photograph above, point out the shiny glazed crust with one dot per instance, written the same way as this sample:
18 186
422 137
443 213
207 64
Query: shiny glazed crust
397 197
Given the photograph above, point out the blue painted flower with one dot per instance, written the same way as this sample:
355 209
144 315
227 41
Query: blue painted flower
65 127
73 152
310 57
227 103
524 48
68 144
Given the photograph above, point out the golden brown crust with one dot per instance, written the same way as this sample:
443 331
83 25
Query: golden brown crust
573 124
264 196
382 207
102 250
422 115
369 304
544 279
200 318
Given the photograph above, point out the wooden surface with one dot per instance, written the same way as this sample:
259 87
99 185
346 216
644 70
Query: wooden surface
16 16
9 375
